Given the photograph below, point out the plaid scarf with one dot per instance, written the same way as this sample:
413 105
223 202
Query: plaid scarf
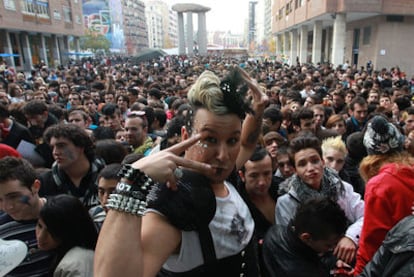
331 186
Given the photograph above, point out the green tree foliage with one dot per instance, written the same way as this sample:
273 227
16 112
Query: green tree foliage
95 42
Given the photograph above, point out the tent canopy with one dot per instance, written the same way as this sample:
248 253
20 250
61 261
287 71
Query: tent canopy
148 55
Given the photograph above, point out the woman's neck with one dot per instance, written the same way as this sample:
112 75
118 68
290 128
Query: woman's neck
220 189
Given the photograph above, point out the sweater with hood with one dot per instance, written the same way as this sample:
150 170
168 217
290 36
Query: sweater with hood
388 198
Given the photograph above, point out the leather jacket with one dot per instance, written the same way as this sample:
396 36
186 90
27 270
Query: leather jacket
395 257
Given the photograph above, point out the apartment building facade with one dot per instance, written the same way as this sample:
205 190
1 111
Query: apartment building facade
134 26
336 31
39 30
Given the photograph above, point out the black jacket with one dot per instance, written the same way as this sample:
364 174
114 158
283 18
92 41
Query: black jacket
286 255
18 132
395 257
350 174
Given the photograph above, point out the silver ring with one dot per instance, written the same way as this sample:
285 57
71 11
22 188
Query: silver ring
178 173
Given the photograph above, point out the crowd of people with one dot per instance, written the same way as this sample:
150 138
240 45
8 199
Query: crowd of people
207 166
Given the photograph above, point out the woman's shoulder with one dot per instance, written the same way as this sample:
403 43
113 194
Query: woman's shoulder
76 251
77 255
78 261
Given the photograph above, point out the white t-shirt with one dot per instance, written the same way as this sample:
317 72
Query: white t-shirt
231 228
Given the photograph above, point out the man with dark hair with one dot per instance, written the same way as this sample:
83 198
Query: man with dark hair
76 168
109 97
91 107
261 187
136 127
257 179
272 141
272 118
285 168
312 178
154 97
63 92
12 132
21 204
319 118
304 247
39 118
97 90
106 182
111 117
358 110
302 120
158 124
74 100
132 95
338 100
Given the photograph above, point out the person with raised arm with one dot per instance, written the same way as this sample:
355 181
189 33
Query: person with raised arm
195 224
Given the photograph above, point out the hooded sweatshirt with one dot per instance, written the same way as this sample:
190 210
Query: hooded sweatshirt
388 198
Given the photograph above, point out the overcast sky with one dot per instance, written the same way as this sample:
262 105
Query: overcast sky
225 15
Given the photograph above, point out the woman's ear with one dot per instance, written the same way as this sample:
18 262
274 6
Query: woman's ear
184 133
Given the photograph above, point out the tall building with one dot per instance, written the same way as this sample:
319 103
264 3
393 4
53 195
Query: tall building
263 33
171 40
39 30
358 31
267 19
135 30
162 24
122 22
155 24
252 22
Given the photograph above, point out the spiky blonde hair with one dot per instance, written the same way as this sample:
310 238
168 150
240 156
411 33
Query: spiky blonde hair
335 143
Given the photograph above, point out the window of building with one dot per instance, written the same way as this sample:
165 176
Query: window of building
395 18
299 3
67 14
56 15
366 39
281 13
10 5
39 8
289 7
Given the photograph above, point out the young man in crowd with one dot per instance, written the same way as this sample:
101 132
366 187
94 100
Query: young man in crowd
107 181
304 247
111 117
358 110
261 187
20 204
136 127
75 168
